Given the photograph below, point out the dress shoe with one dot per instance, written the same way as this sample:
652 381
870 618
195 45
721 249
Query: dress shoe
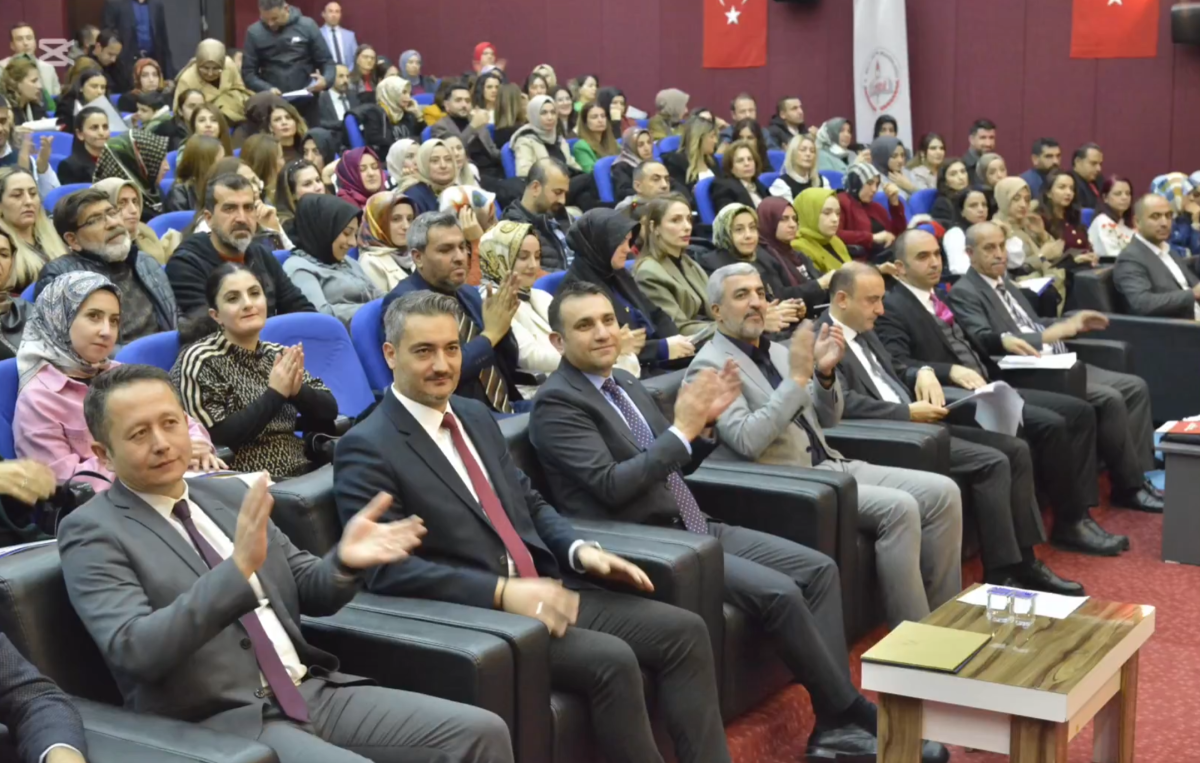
933 752
1086 537
1122 540
1139 500
1036 576
1151 488
844 744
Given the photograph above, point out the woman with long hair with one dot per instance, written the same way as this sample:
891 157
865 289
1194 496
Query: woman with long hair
799 172
21 84
564 107
665 272
264 156
587 86
694 160
297 180
27 224
192 172
215 76
739 183
927 161
394 96
207 121
971 206
535 85
616 106
383 239
326 231
1113 226
510 115
91 133
288 127
178 128
595 138
486 93
362 73
751 130
1060 210
952 179
91 85
14 311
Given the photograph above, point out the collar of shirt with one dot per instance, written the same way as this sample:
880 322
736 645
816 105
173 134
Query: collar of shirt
925 297
848 332
759 354
161 503
995 283
1163 249
430 419
597 381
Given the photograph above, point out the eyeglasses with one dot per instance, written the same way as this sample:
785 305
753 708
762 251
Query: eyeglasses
112 214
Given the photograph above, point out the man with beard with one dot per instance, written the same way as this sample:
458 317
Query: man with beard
90 226
788 121
231 213
465 122
543 205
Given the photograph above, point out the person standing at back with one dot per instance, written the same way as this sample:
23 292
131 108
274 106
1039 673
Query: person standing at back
141 26
284 53
342 42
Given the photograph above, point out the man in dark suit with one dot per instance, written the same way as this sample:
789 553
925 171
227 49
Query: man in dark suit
608 452
336 102
47 727
1151 280
996 468
989 305
141 26
918 329
441 256
494 542
196 603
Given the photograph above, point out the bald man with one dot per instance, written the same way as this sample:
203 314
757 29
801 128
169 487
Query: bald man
1153 282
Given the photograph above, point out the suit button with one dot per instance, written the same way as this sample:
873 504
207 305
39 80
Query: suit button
246 643
260 693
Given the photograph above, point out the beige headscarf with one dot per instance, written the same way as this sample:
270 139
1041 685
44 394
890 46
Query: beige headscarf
1006 190
229 95
388 94
405 182
146 240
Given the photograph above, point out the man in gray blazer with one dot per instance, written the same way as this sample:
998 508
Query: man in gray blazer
46 726
994 469
989 306
916 517
195 603
1151 280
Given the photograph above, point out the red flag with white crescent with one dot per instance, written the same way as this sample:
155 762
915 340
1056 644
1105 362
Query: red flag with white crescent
1115 28
735 34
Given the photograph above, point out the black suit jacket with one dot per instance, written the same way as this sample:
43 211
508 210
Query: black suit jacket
34 709
462 557
729 190
593 466
862 398
328 112
913 337
1148 286
118 16
982 314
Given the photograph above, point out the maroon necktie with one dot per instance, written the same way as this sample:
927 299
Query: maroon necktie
491 503
278 679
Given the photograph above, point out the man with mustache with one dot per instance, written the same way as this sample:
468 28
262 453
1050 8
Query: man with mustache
89 225
543 206
441 256
231 215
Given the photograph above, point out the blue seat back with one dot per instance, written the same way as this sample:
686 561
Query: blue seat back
509 160
165 222
50 199
1086 216
114 97
328 354
159 350
834 177
366 332
550 282
768 178
426 134
642 123
164 186
172 160
353 134
10 385
603 174
775 159
882 200
921 202
704 201
666 145
27 295
425 99
282 255
60 142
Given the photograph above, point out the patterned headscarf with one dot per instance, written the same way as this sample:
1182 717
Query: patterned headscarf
498 251
1175 187
47 337
857 176
349 176
135 156
629 154
375 233
722 228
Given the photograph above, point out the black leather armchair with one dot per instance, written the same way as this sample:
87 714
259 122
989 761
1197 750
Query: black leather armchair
1159 347
37 617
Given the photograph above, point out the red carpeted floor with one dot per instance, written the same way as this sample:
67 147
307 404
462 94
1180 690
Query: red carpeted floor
1168 728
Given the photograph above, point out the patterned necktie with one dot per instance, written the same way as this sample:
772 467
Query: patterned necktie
689 510
1024 322
494 386
895 386
941 309
517 550
280 682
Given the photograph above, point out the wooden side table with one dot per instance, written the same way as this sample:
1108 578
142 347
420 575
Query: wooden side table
1027 693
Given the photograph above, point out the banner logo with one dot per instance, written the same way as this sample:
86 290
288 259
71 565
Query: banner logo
881 80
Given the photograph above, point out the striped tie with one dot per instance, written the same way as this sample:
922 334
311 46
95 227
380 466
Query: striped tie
493 381
1024 322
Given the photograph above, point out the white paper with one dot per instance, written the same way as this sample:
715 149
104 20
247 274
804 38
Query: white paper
296 95
49 124
1059 361
1036 284
1052 605
116 123
882 84
998 407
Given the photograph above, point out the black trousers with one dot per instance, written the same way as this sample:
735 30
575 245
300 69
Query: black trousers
794 593
1124 426
995 472
601 658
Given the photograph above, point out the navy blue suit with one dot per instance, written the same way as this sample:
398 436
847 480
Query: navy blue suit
478 354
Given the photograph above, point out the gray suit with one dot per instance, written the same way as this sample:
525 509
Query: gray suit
1124 425
168 628
916 517
1148 286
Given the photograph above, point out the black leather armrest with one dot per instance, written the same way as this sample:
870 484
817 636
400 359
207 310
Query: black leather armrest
305 512
1072 381
116 735
894 443
490 659
342 424
1109 354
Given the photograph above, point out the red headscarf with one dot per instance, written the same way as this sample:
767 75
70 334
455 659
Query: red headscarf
770 213
349 177
479 51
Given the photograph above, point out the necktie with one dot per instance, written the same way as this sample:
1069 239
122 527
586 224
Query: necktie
941 309
1024 322
337 45
272 668
689 510
882 372
494 386
345 105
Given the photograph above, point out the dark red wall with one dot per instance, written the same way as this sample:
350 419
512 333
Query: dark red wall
49 18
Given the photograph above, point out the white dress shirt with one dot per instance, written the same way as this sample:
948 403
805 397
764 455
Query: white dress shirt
924 296
1164 253
221 543
430 420
598 381
871 364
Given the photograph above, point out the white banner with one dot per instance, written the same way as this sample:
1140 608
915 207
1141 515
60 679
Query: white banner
881 82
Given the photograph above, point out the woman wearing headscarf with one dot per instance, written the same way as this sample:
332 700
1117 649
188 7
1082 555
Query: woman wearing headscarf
799 172
1031 253
67 341
335 284
600 240
147 78
127 199
485 59
818 214
540 138
410 69
359 176
672 107
383 249
215 75
402 159
394 96
777 229
889 156
636 147
1179 190
436 171
616 106
141 158
990 169
833 145
865 222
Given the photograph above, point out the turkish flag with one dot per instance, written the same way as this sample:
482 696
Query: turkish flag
1114 29
735 34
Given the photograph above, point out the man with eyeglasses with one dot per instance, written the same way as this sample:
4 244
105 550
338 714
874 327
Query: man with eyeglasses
91 227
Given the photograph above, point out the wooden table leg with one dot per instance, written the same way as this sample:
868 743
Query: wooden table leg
900 727
1114 724
1037 741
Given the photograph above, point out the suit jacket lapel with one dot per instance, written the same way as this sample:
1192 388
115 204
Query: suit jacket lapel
745 364
141 512
923 316
596 398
